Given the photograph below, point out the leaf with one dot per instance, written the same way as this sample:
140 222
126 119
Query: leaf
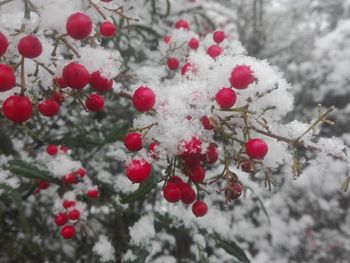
208 20
117 132
164 219
261 204
140 253
6 145
144 189
168 8
15 196
202 255
22 168
148 30
232 248
80 141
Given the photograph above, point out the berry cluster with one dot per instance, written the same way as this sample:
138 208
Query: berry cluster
194 155
70 81
71 213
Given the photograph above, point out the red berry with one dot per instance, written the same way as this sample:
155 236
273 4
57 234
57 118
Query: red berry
60 219
107 29
133 141
166 39
67 203
218 36
94 103
29 46
212 154
225 98
3 44
17 108
100 83
256 148
43 184
172 192
68 232
70 178
48 107
143 99
173 63
153 150
58 97
79 26
199 208
76 75
241 77
138 170
81 172
193 43
187 68
93 193
246 166
214 51
191 149
182 24
7 78
60 82
206 123
196 174
175 179
64 148
234 191
188 195
52 149
74 214
193 162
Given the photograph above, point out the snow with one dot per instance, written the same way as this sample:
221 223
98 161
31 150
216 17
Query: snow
142 231
104 249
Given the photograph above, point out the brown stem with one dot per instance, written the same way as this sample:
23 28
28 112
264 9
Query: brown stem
320 119
5 2
23 79
295 142
70 46
98 10
44 67
125 95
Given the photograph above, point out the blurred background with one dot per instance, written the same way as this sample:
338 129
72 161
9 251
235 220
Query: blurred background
303 220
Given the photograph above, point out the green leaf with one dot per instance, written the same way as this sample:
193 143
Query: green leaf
140 253
6 145
80 141
147 29
144 189
15 196
164 219
261 204
22 168
202 255
232 248
117 132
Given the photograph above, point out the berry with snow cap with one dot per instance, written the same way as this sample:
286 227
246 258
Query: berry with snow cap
138 170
